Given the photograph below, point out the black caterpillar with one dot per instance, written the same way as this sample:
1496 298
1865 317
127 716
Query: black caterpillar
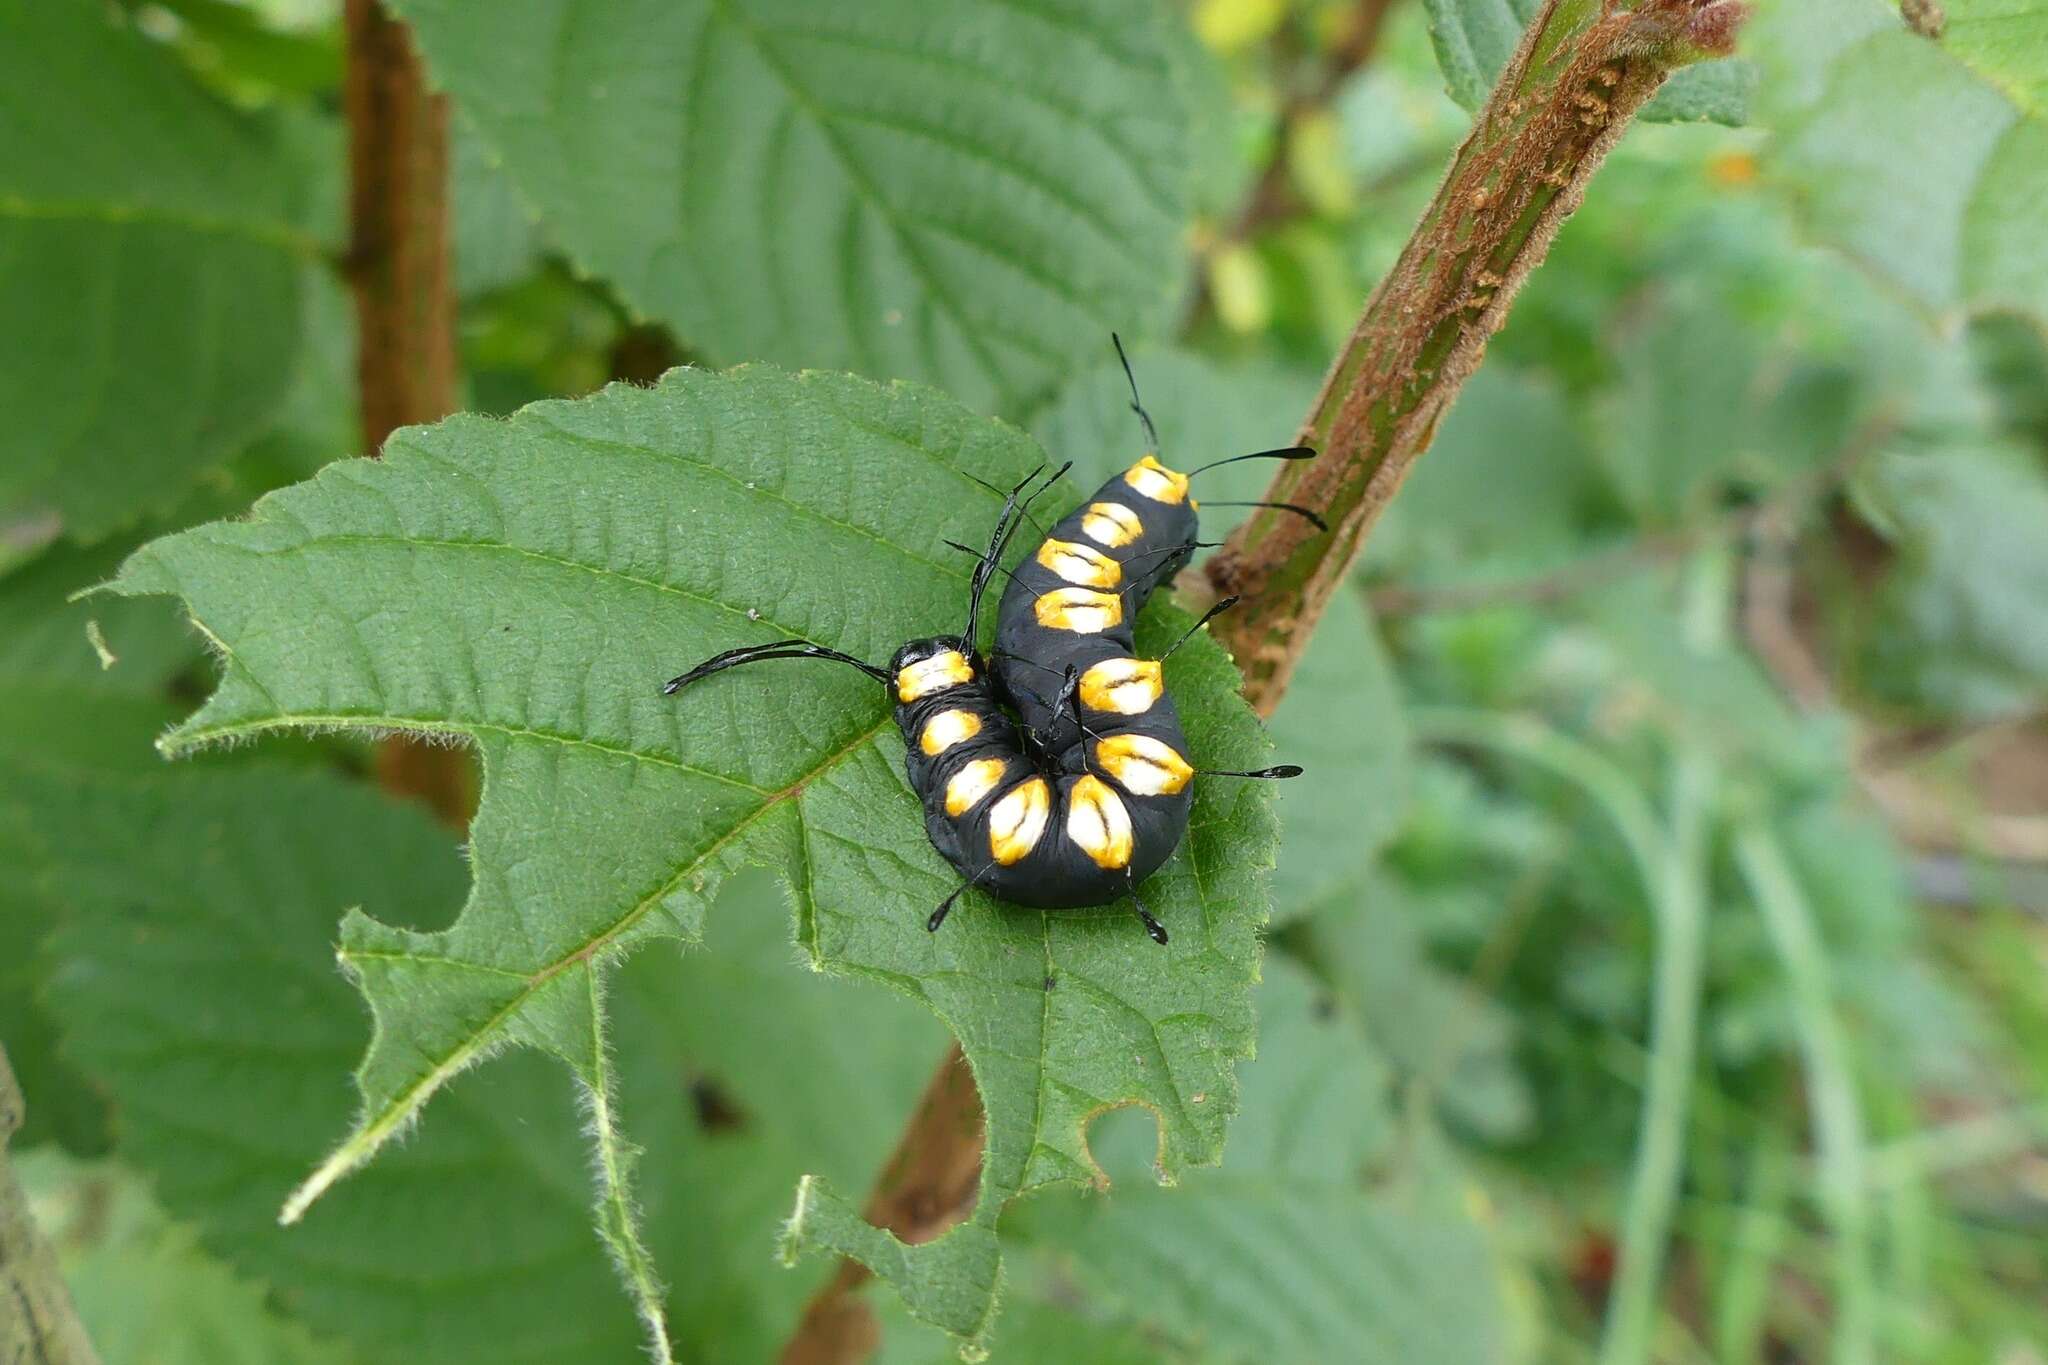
1087 791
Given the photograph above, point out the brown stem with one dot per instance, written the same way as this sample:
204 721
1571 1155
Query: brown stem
927 1185
400 271
38 1324
1583 70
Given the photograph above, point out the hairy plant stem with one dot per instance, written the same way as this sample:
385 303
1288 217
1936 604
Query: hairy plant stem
1585 67
400 272
38 1325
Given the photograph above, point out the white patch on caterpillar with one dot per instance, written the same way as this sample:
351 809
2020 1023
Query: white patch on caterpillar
1016 822
1125 687
946 729
1082 565
1155 481
1111 524
1144 766
967 788
1098 823
1081 610
948 668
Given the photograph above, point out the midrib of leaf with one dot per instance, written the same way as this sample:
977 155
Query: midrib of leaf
374 1133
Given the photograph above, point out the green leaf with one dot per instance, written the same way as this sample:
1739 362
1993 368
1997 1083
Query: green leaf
1962 620
1441 1034
1475 38
972 195
152 274
197 983
1341 720
525 586
1286 1253
1925 160
497 240
144 1289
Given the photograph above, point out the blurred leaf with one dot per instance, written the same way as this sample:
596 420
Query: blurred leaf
497 238
1341 720
144 1288
1500 485
1676 424
1925 160
973 196
526 585
153 256
1286 1253
1433 1027
1475 38
1962 623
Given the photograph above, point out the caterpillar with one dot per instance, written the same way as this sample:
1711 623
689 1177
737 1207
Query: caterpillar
1053 772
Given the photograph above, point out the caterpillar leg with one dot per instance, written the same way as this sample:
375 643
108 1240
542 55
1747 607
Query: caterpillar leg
1153 928
938 916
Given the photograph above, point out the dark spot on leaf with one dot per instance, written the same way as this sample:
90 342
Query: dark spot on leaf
717 1111
1052 982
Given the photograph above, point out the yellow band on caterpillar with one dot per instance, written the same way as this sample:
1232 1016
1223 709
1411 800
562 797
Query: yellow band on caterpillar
1111 524
1017 820
946 729
1098 823
1155 481
1081 565
1128 687
1081 610
973 782
1142 765
943 670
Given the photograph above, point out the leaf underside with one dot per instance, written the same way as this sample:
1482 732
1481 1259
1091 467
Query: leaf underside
525 586
1925 159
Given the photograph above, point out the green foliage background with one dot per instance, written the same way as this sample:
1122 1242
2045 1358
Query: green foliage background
1597 930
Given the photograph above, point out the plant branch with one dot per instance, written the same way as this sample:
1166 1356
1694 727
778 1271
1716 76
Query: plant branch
38 1325
1583 70
401 275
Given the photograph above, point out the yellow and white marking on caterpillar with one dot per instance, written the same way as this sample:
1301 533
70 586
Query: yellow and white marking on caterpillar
1082 565
1127 687
946 729
966 788
1098 823
1017 820
1144 765
1111 524
948 668
1081 610
1155 481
